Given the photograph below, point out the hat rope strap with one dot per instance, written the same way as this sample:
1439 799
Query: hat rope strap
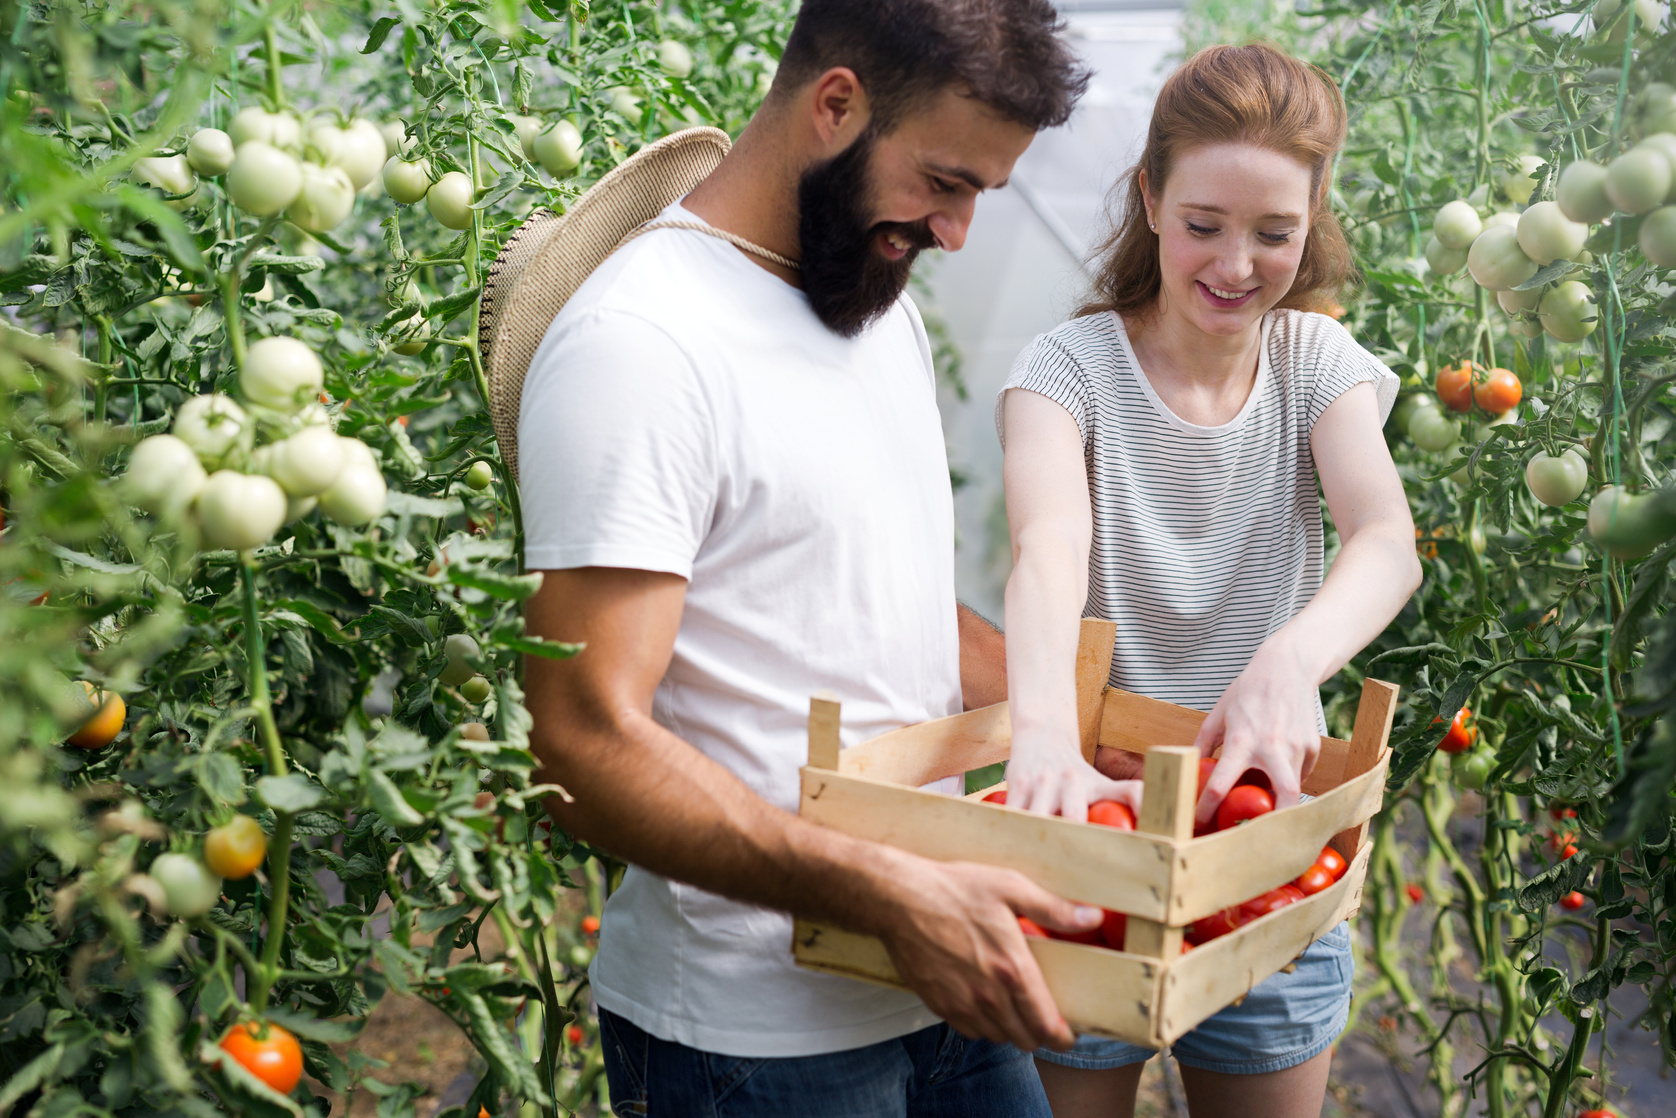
731 238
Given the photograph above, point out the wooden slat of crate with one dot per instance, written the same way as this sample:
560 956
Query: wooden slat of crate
1201 982
928 751
1120 870
1098 991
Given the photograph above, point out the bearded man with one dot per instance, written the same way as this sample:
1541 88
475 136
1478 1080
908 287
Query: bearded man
734 477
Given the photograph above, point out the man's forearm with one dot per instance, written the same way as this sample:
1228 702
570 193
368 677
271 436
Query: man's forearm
648 797
983 660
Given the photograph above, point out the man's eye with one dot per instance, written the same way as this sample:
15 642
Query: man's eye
941 186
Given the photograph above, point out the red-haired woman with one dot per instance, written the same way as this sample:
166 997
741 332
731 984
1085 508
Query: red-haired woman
1162 450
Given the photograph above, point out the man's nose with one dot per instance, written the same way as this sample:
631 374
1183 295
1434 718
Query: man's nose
949 224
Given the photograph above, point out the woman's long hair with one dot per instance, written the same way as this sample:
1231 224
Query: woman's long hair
1255 94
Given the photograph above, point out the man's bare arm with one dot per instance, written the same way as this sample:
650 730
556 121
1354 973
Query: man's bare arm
649 797
983 660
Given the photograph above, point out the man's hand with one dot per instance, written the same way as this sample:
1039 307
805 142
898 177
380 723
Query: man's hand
953 934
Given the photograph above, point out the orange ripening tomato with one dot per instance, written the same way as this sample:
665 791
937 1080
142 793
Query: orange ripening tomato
590 925
234 850
997 797
1498 392
1030 928
1461 732
1333 861
1454 385
1415 893
101 729
1244 801
266 1051
1573 901
1113 927
1109 813
1315 880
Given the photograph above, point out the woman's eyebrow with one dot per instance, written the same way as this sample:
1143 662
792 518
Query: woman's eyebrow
1206 207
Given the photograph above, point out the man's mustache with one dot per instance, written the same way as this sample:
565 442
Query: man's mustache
917 233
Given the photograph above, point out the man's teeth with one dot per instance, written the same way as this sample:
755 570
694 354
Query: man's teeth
897 241
1221 294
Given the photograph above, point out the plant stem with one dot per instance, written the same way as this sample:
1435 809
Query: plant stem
279 856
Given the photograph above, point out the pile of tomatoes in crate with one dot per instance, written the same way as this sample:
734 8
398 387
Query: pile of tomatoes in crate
1251 797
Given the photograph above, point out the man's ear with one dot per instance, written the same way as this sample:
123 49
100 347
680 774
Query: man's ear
838 108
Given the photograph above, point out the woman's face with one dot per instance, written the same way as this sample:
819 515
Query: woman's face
1231 222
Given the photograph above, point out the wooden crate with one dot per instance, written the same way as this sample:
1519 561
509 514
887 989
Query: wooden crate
1159 874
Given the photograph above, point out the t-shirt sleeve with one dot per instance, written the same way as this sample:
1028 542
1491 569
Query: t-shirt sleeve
1045 367
1340 365
617 457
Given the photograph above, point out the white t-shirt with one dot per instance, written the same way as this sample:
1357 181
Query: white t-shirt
1206 539
687 412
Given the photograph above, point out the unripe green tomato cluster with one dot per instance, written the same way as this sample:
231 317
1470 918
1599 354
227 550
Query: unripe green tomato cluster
449 200
189 889
1432 430
406 182
558 148
1557 480
171 174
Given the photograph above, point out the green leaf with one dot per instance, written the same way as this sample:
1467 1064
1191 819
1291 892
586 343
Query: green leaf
407 628
410 504
290 793
30 1076
1547 887
316 618
512 588
1548 275
304 1025
446 307
287 265
535 646
222 778
182 246
380 31
389 802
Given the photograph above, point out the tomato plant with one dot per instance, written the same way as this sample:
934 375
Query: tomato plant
244 412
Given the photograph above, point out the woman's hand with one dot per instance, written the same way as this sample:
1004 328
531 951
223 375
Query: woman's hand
1266 720
1048 775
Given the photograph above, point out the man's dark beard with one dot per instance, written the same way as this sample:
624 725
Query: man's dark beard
850 284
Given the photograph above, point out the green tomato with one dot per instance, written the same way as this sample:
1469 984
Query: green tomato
1442 259
298 507
164 475
325 199
1408 406
210 151
675 58
240 511
449 200
1472 769
1432 430
406 182
1665 144
1546 235
558 148
476 690
306 464
360 152
1568 312
395 135
1518 182
358 495
1638 180
189 889
1656 108
527 128
1629 525
1557 480
211 425
1658 237
480 476
1457 225
251 123
1515 301
416 334
1581 193
171 174
457 650
626 104
1525 326
281 373
1502 217
263 179
1647 17
1497 262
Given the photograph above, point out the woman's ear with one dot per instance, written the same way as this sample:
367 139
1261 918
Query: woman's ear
1146 197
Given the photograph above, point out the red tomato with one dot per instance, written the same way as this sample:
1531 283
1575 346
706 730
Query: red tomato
590 925
266 1051
996 797
1257 778
1109 813
1216 925
1334 861
1568 850
1091 938
1498 392
574 1035
1415 893
1559 813
1185 946
1454 385
1314 880
1272 901
1563 843
1601 1113
1461 733
1030 928
1113 928
1207 765
1573 901
1244 801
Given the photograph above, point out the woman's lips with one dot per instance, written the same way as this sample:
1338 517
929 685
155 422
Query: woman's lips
1221 302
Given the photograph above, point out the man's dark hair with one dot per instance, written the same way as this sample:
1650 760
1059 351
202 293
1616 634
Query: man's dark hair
1008 54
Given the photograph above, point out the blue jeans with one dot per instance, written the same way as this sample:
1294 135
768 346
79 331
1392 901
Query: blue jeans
1285 1020
933 1073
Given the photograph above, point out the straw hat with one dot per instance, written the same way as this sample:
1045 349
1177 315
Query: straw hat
546 260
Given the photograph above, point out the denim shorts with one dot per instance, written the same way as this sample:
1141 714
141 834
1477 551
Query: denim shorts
1285 1020
932 1073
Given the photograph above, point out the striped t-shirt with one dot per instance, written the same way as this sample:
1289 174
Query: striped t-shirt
1206 539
